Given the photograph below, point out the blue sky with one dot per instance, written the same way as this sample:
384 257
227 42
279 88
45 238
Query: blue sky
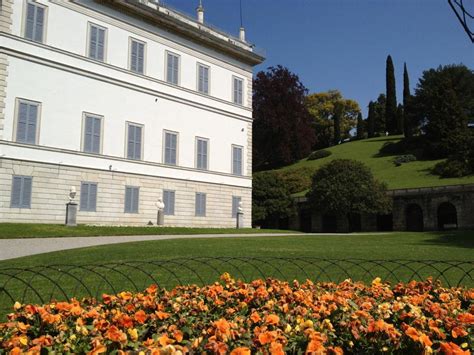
343 44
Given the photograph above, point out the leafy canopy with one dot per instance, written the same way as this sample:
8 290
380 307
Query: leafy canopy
346 186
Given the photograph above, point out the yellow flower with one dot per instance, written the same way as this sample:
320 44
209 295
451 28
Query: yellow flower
73 337
17 306
23 340
288 328
133 334
377 281
464 345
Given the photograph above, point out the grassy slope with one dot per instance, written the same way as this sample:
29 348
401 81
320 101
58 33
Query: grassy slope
18 230
414 174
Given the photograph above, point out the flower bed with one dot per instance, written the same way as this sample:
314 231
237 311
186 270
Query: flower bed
267 316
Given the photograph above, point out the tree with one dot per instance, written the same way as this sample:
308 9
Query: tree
271 199
407 116
391 105
379 110
400 123
337 122
444 101
371 120
322 107
282 130
345 187
360 127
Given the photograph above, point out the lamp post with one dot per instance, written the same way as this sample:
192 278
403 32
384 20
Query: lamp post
71 208
160 218
240 216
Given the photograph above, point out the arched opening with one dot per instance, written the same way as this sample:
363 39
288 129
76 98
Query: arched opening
355 223
385 222
305 221
414 218
329 223
447 216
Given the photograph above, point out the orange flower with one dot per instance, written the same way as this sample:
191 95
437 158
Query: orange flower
178 335
223 326
276 349
115 334
452 349
140 317
457 332
267 337
412 333
162 315
164 340
315 347
466 318
98 349
254 317
240 351
272 319
425 340
152 289
15 351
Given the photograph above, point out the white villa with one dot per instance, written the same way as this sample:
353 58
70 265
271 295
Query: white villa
128 101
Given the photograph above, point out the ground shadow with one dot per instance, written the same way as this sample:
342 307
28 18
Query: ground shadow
461 239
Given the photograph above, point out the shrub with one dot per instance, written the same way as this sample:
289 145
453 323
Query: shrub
297 180
452 168
402 159
319 154
263 316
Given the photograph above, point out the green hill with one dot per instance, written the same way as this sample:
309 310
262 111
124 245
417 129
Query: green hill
408 175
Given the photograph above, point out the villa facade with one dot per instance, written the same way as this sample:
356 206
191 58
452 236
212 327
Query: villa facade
129 102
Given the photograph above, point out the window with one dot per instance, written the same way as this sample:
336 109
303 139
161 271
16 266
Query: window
35 21
97 42
235 205
92 133
238 91
21 192
200 204
168 200
202 153
236 160
203 79
88 196
170 151
172 68
131 199
134 141
27 122
137 56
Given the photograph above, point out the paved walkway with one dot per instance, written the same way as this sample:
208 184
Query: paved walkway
15 248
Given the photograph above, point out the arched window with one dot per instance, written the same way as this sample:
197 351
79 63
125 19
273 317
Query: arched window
414 218
447 216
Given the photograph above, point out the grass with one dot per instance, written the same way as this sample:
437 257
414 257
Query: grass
409 175
415 246
18 230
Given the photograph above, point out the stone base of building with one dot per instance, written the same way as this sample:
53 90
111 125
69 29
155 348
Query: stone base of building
51 185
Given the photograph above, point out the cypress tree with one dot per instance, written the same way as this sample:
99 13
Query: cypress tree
400 124
407 124
360 126
391 106
337 123
371 120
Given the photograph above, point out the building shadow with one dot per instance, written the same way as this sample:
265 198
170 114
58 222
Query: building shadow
461 239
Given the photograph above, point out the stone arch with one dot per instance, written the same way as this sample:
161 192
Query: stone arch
414 218
447 216
329 223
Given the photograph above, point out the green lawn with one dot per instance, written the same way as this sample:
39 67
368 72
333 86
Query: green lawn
409 175
17 230
135 265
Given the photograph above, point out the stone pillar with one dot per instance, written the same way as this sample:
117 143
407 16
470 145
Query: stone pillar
240 220
71 214
160 218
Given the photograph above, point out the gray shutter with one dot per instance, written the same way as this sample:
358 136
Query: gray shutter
235 91
141 57
93 42
203 204
128 199
30 21
84 197
135 200
96 135
22 122
88 132
171 202
16 191
197 204
31 128
204 154
201 79
173 148
39 24
92 197
131 142
26 193
169 69
138 143
100 43
134 56
235 205
175 70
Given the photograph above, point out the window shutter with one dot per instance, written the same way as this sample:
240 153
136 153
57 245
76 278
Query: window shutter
128 199
96 135
100 43
169 73
26 193
135 194
31 128
134 56
22 122
203 204
39 25
30 21
175 70
131 142
138 143
88 131
235 205
141 57
197 205
171 202
93 42
92 197
84 197
16 191
173 148
206 80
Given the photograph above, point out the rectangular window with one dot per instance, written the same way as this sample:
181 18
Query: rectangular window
131 199
27 122
238 91
21 192
200 204
137 56
35 21
168 200
92 133
236 160
203 79
88 196
96 42
172 68
235 205
202 153
134 142
171 148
